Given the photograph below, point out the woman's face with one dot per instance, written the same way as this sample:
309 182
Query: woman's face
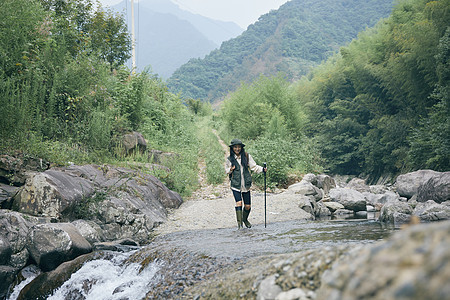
237 149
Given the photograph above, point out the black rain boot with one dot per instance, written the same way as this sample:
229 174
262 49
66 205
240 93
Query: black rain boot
239 216
245 214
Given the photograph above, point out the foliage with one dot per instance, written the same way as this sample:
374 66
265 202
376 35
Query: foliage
379 106
268 116
291 40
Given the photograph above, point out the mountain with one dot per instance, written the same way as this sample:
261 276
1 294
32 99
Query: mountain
167 36
215 30
293 39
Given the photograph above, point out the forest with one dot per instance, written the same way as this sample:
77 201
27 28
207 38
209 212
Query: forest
378 107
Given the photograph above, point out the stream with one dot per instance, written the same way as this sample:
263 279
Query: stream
178 260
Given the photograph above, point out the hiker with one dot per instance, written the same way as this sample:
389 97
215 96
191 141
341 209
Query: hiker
238 167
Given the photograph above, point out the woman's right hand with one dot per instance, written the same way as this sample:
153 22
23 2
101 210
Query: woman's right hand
232 168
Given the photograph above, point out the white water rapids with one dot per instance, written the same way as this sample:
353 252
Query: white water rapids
106 280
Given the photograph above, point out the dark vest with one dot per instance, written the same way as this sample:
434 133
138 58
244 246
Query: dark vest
236 175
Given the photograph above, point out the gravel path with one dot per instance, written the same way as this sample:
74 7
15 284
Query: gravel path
212 207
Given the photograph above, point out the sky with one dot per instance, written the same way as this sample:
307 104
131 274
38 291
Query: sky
241 12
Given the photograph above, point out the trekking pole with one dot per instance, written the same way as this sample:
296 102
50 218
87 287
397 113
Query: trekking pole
265 202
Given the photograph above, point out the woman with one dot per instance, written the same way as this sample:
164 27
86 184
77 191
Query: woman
238 167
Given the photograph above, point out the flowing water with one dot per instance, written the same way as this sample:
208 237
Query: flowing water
201 252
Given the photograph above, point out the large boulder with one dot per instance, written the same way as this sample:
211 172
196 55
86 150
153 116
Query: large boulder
432 211
124 203
51 193
306 188
349 198
53 243
408 184
396 212
436 188
412 264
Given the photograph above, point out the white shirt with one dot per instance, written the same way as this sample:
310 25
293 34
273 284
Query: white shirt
251 165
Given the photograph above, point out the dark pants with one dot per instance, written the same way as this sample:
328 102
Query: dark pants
238 196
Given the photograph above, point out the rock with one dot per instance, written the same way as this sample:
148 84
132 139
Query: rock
307 203
7 276
322 210
395 212
134 141
294 294
14 228
333 206
305 188
432 211
160 157
408 184
5 250
350 199
358 184
45 283
378 200
378 189
412 264
122 202
91 231
13 169
51 193
119 245
268 289
343 212
436 188
53 243
6 193
325 182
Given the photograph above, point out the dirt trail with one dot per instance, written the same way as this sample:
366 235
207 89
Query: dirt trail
212 206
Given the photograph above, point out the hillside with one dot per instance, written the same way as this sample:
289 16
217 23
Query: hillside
293 39
167 36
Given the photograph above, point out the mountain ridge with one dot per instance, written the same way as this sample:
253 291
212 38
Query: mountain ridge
291 40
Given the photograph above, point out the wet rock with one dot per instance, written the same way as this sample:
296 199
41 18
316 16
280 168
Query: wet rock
436 188
51 244
333 206
5 250
322 210
7 275
412 264
44 284
350 199
408 184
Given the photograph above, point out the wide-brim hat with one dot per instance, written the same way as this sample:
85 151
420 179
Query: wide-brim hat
235 142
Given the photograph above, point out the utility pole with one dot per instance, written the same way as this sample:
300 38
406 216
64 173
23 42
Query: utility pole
133 41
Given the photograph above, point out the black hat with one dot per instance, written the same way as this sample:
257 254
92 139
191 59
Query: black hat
236 142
